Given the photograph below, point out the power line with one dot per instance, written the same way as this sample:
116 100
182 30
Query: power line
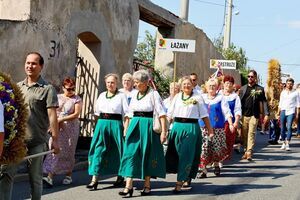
285 64
211 3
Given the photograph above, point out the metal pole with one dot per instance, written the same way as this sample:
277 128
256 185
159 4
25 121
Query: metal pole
184 9
174 71
227 31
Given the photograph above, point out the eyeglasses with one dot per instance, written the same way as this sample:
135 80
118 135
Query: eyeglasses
70 89
193 79
250 76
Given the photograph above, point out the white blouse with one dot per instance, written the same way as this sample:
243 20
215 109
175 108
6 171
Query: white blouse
1 117
129 95
224 105
192 108
151 102
115 105
238 106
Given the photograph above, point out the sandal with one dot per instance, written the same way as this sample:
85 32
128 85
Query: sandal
67 180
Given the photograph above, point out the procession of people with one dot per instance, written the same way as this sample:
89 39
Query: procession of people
199 125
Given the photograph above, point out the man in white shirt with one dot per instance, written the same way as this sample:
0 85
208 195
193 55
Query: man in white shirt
289 105
197 88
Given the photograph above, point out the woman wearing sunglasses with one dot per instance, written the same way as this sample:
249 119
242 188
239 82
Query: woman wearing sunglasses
67 115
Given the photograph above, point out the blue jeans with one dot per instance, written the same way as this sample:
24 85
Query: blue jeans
298 125
286 125
274 130
8 172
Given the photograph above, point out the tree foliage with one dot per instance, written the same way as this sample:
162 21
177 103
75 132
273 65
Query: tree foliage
234 53
145 53
145 50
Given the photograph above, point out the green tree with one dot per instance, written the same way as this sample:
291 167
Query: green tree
234 53
145 53
145 50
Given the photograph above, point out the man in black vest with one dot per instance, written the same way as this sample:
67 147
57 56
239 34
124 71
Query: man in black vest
252 97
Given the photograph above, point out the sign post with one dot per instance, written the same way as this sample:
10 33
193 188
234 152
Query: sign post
176 45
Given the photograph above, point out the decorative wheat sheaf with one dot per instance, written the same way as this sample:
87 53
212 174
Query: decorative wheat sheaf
15 119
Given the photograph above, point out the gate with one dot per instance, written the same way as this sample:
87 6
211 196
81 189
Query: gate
87 89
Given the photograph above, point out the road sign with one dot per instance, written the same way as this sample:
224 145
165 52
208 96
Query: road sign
177 45
223 64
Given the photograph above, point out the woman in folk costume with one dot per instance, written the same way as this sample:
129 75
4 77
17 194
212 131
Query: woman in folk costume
127 82
143 155
234 103
214 150
185 138
107 143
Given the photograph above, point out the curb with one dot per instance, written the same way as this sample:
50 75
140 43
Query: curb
20 177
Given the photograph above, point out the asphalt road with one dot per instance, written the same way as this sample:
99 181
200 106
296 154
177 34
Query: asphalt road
273 174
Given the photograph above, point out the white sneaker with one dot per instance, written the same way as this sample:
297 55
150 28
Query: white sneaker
287 147
67 180
283 146
48 181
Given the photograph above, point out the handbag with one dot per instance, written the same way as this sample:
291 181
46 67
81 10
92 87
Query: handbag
156 121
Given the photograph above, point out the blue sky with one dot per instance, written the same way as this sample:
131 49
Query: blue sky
265 29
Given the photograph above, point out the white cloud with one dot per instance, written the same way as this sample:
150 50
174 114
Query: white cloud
294 24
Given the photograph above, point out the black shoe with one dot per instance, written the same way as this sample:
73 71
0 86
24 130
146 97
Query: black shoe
119 182
129 191
92 185
177 189
217 171
272 142
146 191
201 175
187 183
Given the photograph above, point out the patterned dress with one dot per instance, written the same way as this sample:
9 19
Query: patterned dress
214 150
234 103
67 138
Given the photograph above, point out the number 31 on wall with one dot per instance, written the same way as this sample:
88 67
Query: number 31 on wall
54 49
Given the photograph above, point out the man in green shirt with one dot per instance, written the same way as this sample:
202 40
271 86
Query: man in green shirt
42 102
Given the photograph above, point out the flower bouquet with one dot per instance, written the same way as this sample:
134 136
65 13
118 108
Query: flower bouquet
15 118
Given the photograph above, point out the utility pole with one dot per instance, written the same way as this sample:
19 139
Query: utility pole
227 31
184 9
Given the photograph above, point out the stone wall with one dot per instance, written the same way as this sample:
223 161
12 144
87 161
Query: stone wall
53 29
109 28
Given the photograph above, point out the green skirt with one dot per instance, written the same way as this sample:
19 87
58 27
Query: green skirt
184 150
106 147
143 153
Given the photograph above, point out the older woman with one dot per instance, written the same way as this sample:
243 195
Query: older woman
173 90
184 148
214 150
67 116
107 143
127 82
143 155
234 103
